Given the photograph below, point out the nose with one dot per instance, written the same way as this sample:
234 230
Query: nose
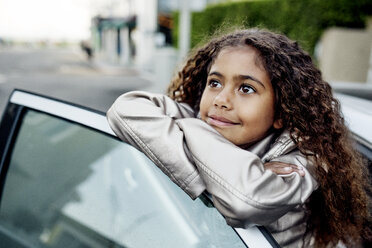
223 99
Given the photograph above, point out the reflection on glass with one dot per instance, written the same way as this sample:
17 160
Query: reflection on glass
71 186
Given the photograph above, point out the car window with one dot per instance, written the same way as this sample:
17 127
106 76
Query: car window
365 150
71 186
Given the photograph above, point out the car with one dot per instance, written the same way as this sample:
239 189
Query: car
66 180
357 89
357 113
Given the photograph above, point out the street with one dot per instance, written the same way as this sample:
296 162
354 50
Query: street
64 74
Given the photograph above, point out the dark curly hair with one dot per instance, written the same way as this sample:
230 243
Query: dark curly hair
338 209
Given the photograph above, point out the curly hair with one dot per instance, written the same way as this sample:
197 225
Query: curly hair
338 209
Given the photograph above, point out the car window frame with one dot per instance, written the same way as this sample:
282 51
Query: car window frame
20 101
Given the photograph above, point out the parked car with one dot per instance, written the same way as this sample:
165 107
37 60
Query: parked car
66 180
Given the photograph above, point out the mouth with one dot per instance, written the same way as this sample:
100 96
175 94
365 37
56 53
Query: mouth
220 121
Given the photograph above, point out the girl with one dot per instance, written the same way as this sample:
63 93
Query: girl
243 103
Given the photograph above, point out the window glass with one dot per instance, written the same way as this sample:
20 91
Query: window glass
366 152
71 186
367 156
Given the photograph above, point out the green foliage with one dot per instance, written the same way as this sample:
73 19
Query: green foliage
301 20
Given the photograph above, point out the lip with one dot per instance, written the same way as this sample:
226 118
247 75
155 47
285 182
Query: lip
220 121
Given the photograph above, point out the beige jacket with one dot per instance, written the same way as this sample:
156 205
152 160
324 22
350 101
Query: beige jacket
198 158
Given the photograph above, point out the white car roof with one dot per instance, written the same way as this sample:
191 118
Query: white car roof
358 116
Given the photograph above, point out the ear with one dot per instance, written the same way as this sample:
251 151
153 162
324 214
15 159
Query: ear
278 124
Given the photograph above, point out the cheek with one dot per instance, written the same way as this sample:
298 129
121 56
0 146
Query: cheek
268 117
271 108
268 105
261 114
204 104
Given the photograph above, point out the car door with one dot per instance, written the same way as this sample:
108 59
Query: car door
66 180
365 149
358 116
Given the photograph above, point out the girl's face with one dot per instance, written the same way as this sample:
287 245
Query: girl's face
238 100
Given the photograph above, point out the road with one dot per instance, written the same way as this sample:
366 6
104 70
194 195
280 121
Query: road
64 74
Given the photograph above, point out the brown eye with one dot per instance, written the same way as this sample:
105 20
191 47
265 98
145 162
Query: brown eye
214 84
246 89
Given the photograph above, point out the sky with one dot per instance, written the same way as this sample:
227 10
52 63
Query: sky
54 20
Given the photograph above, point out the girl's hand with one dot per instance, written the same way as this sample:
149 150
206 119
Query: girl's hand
280 168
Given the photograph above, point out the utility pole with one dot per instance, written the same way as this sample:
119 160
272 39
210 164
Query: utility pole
184 28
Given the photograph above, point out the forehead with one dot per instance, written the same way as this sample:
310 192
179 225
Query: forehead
243 50
243 54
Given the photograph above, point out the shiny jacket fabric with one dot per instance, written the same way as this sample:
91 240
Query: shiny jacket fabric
197 158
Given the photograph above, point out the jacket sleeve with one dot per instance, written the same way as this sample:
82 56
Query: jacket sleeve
147 121
196 157
242 190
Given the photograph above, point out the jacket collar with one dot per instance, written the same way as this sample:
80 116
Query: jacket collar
273 145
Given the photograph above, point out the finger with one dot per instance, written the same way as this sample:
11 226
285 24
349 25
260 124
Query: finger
288 170
283 168
281 165
301 172
280 170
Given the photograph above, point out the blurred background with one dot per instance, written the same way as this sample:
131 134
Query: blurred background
91 51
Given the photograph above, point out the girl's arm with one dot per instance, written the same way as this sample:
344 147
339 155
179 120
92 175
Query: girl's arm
242 190
147 121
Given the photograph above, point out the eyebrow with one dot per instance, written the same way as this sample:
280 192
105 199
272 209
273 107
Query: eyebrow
215 73
250 78
241 77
